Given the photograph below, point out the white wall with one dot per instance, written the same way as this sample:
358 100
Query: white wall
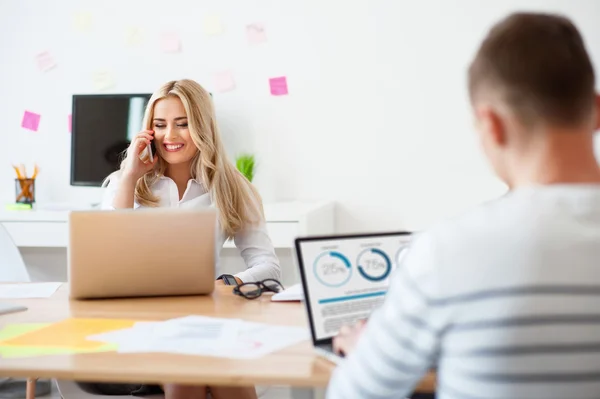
377 117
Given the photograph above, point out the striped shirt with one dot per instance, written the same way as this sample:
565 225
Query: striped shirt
504 301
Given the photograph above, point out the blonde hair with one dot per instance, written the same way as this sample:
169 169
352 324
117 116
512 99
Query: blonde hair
237 200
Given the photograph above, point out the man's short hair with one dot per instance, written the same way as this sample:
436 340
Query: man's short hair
537 64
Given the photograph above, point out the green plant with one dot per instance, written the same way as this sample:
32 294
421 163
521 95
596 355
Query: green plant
245 164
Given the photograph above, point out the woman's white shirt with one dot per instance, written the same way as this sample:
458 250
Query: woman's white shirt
253 242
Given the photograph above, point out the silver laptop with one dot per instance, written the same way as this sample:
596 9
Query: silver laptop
136 253
344 278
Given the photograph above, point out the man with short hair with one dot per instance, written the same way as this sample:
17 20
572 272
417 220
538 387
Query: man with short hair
505 300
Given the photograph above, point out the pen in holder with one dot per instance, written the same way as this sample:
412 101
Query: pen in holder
25 191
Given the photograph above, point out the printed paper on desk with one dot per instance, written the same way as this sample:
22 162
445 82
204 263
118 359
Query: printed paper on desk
256 33
192 335
278 86
28 290
212 25
293 293
103 80
258 339
45 61
70 334
31 121
170 42
224 82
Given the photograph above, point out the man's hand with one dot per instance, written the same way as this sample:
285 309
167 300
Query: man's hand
347 338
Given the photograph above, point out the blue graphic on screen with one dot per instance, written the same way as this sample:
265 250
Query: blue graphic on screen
332 269
373 264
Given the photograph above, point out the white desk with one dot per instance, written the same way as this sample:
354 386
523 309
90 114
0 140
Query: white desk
285 221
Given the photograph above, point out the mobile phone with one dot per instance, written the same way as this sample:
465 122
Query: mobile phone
151 150
148 154
228 279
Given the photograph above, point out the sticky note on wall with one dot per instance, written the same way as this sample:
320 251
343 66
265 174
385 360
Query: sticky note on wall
45 61
31 121
170 42
213 25
224 81
256 33
82 21
103 80
278 86
134 36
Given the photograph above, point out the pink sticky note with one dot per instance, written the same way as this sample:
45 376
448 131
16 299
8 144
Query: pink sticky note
31 121
224 81
170 42
70 123
45 61
278 86
256 33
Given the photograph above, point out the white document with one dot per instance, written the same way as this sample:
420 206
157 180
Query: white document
293 293
204 336
28 290
193 335
258 339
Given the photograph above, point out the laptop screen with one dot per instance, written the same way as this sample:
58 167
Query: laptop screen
345 278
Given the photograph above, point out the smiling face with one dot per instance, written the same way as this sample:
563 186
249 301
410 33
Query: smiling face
171 134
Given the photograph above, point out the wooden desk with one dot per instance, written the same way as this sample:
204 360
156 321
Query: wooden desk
295 366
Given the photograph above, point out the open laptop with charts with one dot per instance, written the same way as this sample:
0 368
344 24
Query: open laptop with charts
143 252
344 278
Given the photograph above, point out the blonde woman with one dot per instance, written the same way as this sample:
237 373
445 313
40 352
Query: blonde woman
190 169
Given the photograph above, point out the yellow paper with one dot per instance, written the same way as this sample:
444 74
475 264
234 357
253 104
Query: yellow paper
69 334
30 351
134 36
103 80
82 21
213 25
15 330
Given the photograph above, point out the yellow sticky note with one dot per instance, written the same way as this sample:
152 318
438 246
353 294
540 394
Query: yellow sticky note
82 21
32 351
15 330
134 36
69 334
213 25
103 80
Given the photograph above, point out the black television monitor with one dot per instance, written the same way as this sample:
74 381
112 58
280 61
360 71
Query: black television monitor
102 128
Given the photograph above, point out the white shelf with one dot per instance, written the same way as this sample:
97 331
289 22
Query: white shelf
285 221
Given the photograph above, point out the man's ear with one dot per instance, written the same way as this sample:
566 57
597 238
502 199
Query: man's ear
491 125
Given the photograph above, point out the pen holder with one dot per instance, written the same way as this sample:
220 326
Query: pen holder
25 191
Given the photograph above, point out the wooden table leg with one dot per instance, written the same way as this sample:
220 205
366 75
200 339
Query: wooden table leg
30 392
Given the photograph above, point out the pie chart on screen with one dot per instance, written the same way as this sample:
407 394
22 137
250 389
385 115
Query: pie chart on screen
332 269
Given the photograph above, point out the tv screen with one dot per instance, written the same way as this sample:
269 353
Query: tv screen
102 128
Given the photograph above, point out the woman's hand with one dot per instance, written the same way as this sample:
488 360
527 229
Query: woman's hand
347 338
134 167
